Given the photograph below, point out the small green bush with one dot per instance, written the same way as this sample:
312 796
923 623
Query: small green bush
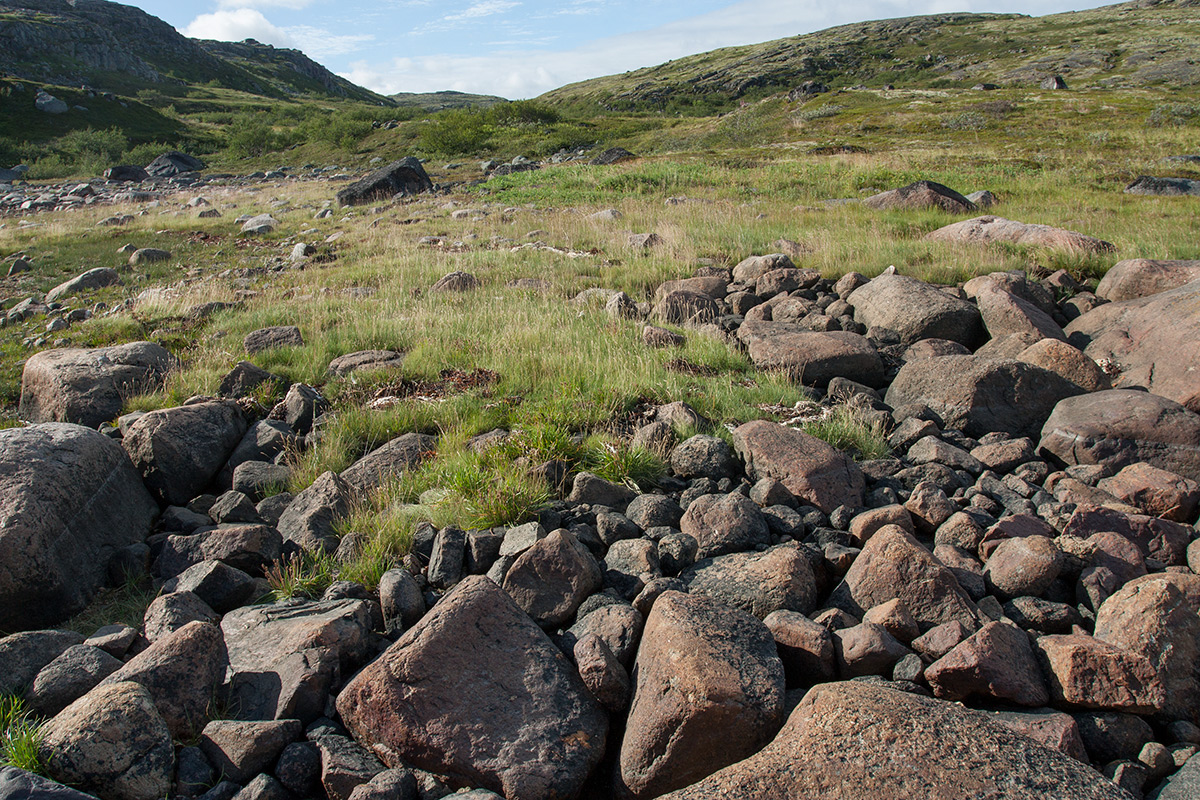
966 121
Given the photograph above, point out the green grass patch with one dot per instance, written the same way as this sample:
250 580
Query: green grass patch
20 736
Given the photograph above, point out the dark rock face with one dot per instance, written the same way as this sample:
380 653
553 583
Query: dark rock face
88 387
69 500
979 395
1166 187
477 692
173 163
709 690
405 176
865 740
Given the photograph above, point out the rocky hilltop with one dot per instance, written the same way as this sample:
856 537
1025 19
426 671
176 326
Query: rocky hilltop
118 47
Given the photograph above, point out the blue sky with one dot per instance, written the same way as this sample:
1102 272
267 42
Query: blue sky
521 48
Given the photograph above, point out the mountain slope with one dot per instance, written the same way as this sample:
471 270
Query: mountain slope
1149 42
121 48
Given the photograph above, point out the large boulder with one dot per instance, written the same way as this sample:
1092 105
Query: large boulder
89 386
477 692
549 580
981 395
1005 314
809 468
724 523
69 500
1142 277
919 196
17 784
709 692
1083 672
989 229
112 742
995 663
781 578
405 176
1154 341
1163 187
915 310
893 565
389 461
23 655
309 520
1120 427
285 657
96 278
173 163
865 740
816 358
180 450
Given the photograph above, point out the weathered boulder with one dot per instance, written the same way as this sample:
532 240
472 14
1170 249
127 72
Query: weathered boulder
1120 427
919 196
1154 341
759 583
23 655
809 468
724 523
112 742
89 386
173 163
989 229
96 278
1158 492
389 461
271 338
980 395
1005 314
549 580
17 784
750 269
69 677
995 663
805 647
916 310
1083 672
857 739
709 692
892 565
69 500
250 548
405 176
477 692
366 360
240 750
816 358
180 450
1141 277
310 518
1066 361
1163 187
683 306
285 657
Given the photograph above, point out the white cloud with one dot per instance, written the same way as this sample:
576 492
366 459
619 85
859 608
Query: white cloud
294 5
476 11
236 25
529 72
319 43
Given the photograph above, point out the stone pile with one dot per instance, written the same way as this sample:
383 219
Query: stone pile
1008 606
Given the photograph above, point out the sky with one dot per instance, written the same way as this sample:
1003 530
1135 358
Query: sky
522 48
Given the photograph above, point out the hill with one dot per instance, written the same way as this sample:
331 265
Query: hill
1144 43
441 101
122 49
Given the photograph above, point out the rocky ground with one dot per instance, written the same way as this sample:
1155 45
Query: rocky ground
1006 607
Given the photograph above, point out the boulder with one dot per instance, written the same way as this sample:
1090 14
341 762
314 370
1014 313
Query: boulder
285 657
1066 361
750 269
1141 277
89 387
240 750
173 163
271 338
805 647
69 501
168 613
1004 314
995 663
366 360
455 282
112 742
1120 427
69 677
1163 187
815 358
915 310
980 395
807 467
1054 729
405 176
989 229
1023 567
919 196
857 739
549 580
148 255
310 518
477 692
892 565
17 784
250 548
126 173
1153 341
1155 491
682 306
389 461
713 286
23 655
759 583
180 450
1083 672
96 278
709 692
724 523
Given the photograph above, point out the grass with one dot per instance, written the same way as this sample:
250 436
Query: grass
846 429
122 605
20 735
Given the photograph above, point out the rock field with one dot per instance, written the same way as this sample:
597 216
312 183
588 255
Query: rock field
1007 607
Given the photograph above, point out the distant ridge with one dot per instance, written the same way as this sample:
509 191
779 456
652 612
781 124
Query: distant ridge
440 101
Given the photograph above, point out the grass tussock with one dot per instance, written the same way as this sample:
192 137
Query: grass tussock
20 736
846 429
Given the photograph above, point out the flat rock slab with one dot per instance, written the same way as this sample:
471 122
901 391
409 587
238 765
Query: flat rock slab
1164 187
863 740
270 338
1142 277
89 387
989 229
1154 341
981 395
477 691
366 360
69 500
1120 427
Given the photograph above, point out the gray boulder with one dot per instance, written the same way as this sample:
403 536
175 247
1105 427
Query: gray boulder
916 310
96 278
69 501
180 450
405 176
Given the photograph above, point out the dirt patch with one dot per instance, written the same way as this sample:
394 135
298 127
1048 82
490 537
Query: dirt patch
432 390
686 367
